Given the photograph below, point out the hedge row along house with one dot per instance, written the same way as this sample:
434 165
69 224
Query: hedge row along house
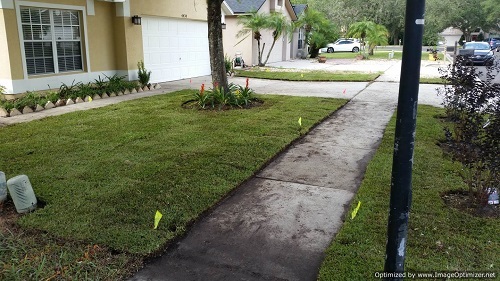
46 43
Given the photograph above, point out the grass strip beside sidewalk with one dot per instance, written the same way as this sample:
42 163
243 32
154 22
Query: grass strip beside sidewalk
103 173
439 238
307 75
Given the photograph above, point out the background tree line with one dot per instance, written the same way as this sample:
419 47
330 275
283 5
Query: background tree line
466 15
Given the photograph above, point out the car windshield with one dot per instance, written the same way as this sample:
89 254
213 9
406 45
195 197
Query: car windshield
477 46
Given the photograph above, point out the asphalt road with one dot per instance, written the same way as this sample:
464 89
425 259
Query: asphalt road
481 69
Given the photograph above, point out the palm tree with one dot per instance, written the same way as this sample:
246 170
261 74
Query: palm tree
376 34
278 23
376 37
360 30
319 31
254 23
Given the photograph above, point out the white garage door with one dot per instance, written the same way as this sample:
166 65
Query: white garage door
175 49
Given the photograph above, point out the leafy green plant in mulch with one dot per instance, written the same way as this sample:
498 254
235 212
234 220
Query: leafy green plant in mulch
86 89
115 84
102 188
109 84
292 75
144 74
69 91
218 98
30 100
100 84
440 238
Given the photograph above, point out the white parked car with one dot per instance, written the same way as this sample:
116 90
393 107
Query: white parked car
343 45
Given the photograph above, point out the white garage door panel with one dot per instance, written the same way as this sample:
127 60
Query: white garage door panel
175 49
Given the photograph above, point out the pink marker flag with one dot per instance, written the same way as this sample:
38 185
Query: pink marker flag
343 92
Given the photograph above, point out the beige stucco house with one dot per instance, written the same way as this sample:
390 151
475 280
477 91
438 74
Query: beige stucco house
284 48
46 43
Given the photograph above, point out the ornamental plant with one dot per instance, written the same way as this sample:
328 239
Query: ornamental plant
144 74
473 137
217 97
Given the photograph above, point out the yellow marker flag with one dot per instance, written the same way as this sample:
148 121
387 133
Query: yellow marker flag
267 70
90 99
300 121
158 216
355 211
302 75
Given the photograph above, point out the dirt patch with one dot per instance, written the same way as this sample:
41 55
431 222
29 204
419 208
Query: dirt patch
8 216
463 201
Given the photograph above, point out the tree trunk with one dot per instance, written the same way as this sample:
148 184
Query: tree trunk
270 50
260 52
370 50
216 49
314 52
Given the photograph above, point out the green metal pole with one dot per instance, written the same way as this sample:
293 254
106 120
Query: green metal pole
401 181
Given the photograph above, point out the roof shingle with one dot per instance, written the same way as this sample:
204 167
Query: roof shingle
244 6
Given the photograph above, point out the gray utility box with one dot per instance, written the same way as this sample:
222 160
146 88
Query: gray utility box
3 187
22 194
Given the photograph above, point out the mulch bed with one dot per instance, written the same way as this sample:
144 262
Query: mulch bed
464 202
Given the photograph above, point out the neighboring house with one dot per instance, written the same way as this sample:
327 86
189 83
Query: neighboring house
247 46
46 43
451 35
299 36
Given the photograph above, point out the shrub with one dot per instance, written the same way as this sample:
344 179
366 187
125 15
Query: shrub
218 97
144 75
228 62
69 91
85 90
130 85
115 84
473 107
100 84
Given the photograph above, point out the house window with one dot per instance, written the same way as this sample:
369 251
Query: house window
301 39
280 3
51 39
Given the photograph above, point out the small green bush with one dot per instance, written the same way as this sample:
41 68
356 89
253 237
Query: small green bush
85 90
144 75
115 84
69 91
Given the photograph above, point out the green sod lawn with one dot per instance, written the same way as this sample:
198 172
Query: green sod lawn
350 55
440 238
427 80
103 173
308 75
398 55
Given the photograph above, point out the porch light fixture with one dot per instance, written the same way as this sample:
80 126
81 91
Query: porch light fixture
136 20
223 25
